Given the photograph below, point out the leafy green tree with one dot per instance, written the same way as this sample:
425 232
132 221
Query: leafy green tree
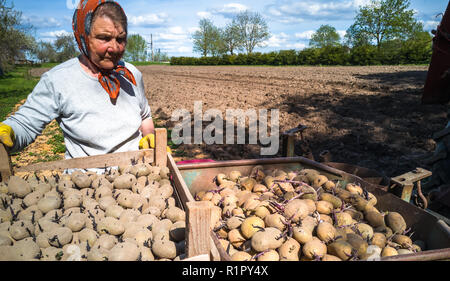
384 20
15 38
66 48
45 52
325 36
309 56
161 57
232 38
365 54
207 40
354 38
417 49
287 57
136 49
252 29
218 46
334 55
389 51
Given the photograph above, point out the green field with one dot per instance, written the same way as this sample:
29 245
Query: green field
14 87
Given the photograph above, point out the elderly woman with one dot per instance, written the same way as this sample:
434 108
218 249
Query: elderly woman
97 99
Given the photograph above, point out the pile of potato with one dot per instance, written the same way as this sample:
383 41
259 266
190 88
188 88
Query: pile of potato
125 214
273 215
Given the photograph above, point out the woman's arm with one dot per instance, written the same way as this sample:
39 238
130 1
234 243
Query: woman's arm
40 108
147 127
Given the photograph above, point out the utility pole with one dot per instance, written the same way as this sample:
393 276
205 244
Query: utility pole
151 45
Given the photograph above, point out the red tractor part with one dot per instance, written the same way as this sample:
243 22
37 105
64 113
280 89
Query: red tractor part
437 85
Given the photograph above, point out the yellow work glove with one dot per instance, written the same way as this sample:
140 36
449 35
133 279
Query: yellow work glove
6 135
149 142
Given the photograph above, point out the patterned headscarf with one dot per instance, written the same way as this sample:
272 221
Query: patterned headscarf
81 24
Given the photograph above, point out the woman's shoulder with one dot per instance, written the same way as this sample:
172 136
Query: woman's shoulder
62 68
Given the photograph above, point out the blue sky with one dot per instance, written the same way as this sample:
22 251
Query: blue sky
172 22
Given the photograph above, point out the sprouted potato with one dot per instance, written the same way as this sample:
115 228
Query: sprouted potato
273 214
90 217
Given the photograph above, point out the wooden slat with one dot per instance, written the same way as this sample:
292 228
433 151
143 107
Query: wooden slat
185 196
224 256
5 163
98 161
161 147
180 185
198 218
215 255
290 146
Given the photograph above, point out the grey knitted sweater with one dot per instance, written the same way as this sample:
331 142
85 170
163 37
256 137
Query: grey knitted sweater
91 123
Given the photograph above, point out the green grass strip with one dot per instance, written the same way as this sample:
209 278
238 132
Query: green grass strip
14 87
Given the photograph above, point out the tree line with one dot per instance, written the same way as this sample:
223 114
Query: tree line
383 32
64 48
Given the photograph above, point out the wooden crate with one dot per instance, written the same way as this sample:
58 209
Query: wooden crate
435 232
196 212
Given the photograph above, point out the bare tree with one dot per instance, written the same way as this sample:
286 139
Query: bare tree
252 28
207 40
232 38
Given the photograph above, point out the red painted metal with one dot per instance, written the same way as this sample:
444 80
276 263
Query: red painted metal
195 161
437 85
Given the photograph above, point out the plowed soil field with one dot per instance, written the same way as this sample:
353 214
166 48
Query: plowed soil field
365 116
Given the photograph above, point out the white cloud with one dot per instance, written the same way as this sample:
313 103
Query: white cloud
192 30
184 49
430 24
55 33
277 40
172 34
204 14
169 37
174 47
173 40
40 22
305 35
289 11
297 46
358 3
341 33
149 20
229 10
176 30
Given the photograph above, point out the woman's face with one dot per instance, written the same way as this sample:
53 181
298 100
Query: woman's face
107 42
